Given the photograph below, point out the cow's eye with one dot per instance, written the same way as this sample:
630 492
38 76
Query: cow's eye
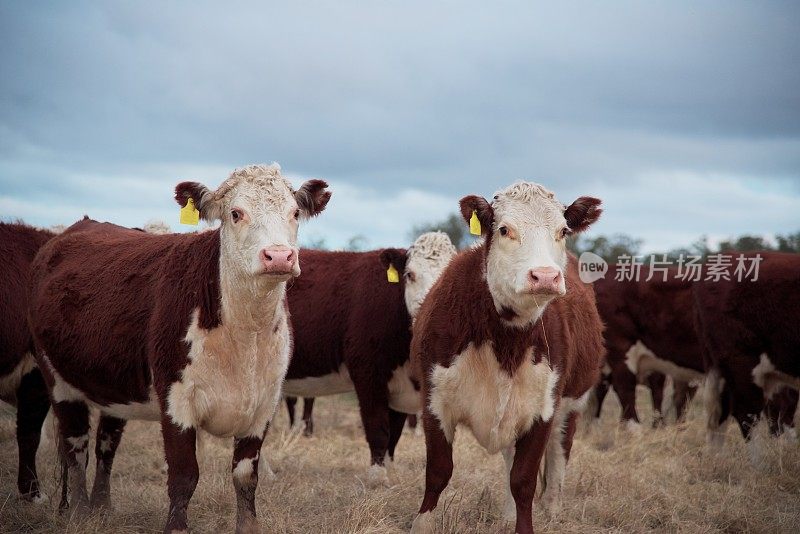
236 215
297 213
565 232
503 231
410 276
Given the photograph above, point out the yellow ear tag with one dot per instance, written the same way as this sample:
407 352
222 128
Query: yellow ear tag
474 224
189 214
392 275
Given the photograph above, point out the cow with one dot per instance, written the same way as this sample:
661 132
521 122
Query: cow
508 343
190 330
744 326
649 333
353 332
21 383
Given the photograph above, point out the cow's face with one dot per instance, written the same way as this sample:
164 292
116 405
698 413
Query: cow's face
426 259
259 213
526 258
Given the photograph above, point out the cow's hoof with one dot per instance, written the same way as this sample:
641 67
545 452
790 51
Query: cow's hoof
550 505
377 475
36 497
423 524
101 502
247 525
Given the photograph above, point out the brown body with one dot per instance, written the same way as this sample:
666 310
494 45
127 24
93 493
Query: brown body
658 313
21 382
739 321
345 313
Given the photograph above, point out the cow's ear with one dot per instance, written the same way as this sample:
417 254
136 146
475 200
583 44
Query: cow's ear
312 198
582 213
394 256
482 210
210 209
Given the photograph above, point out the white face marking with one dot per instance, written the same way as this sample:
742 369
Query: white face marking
320 386
476 392
258 209
426 260
232 384
534 224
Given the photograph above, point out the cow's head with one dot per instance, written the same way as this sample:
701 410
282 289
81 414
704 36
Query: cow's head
259 213
420 266
526 250
426 259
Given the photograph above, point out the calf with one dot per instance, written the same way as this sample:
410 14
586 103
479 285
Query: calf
737 323
656 314
190 330
353 330
507 342
21 383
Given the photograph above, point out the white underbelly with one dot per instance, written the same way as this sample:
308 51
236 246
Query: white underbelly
319 386
477 393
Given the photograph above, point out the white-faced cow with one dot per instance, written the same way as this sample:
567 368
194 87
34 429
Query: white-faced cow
190 330
353 331
508 343
737 323
21 383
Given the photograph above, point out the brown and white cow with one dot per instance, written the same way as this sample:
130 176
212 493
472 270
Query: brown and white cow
649 333
21 383
496 342
737 323
353 331
190 330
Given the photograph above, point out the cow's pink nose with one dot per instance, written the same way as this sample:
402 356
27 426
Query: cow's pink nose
277 260
544 280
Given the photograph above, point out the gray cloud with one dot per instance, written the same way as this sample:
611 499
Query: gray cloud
446 97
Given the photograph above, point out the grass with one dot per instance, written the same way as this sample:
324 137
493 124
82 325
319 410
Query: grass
663 480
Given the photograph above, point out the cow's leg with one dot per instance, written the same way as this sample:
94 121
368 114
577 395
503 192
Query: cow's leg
716 399
182 472
397 420
681 396
528 454
559 447
246 452
438 469
373 405
291 402
655 381
624 383
109 434
308 416
32 406
600 392
746 407
73 425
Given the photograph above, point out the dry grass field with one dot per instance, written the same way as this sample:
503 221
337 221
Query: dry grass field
662 480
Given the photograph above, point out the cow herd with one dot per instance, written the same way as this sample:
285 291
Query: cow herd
204 332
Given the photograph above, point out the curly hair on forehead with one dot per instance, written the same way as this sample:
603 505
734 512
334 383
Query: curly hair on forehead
254 173
526 191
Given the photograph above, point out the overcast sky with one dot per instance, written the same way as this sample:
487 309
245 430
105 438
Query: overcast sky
684 117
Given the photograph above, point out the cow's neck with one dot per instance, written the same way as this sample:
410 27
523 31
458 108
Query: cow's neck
249 302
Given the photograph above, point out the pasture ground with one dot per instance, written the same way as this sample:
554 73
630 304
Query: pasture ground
663 480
